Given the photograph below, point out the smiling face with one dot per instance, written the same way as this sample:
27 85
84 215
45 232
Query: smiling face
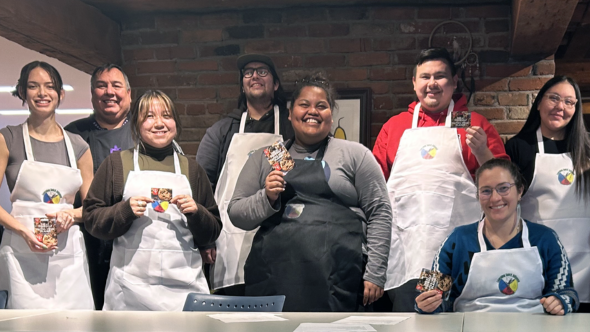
434 85
497 208
554 109
158 128
311 116
111 98
40 93
259 88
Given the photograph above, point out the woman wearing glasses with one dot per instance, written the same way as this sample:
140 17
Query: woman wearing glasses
311 239
502 263
553 153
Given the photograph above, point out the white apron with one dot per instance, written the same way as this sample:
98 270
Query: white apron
233 244
552 201
154 265
52 280
508 280
431 193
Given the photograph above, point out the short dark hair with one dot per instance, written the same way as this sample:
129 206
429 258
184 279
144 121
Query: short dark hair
107 67
435 53
142 106
576 135
20 90
505 164
319 80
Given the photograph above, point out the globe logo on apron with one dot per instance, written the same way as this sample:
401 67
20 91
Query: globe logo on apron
428 151
508 283
565 176
51 196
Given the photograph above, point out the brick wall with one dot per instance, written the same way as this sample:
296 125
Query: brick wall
192 57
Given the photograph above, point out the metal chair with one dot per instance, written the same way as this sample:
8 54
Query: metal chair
3 299
212 302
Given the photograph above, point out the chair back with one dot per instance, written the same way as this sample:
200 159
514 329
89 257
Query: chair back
212 302
3 299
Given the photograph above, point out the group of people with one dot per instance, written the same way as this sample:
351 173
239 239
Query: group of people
334 233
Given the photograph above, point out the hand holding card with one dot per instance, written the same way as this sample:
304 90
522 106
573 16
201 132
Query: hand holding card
434 280
279 158
45 231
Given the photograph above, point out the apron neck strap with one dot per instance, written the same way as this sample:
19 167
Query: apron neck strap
29 147
540 141
447 119
245 116
482 244
136 161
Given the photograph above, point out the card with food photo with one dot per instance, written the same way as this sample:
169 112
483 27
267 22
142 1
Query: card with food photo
161 197
45 231
434 280
460 119
279 158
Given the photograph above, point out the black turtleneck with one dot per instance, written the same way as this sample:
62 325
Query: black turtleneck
157 153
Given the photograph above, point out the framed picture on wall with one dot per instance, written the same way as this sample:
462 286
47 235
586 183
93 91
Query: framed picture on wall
352 119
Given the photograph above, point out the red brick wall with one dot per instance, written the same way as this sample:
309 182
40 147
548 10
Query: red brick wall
192 57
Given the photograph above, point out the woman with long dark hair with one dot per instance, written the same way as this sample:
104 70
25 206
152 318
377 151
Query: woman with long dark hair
45 167
553 153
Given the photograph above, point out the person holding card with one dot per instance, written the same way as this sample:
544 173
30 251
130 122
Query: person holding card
157 206
313 198
429 166
502 263
260 119
45 167
552 151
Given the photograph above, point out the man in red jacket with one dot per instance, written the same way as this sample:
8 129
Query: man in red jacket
429 167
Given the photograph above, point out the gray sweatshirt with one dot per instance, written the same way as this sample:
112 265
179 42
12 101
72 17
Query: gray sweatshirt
355 179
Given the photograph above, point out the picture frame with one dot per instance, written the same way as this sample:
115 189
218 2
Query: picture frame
353 116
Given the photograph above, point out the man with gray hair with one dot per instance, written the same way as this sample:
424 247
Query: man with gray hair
105 131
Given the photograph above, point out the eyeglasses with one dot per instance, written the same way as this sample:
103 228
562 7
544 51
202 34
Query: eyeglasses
249 72
502 189
555 99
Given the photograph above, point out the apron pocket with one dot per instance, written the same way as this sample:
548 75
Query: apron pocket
422 208
142 267
178 269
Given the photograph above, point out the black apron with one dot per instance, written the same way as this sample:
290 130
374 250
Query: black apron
311 250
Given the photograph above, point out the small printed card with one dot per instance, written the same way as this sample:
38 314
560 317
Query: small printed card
430 280
161 197
279 158
460 119
45 231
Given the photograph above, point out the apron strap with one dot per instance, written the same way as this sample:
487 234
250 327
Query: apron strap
277 122
29 147
540 141
136 161
482 244
447 119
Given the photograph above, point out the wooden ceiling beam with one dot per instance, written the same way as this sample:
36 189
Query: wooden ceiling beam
539 26
69 30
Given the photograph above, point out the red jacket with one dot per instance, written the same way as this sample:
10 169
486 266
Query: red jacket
385 148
